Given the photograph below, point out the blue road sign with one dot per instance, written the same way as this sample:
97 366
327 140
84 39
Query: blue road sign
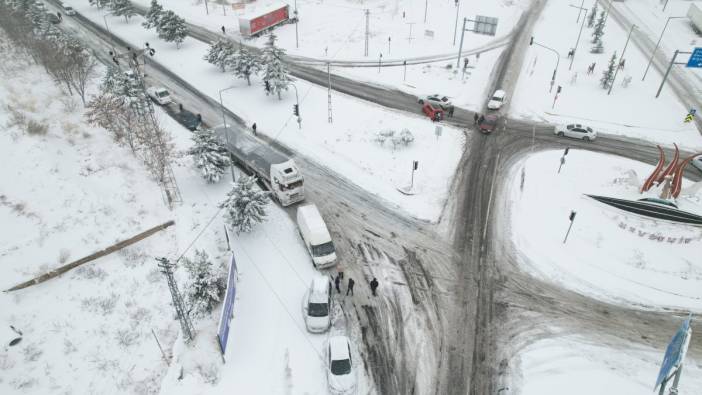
675 353
227 308
693 111
695 58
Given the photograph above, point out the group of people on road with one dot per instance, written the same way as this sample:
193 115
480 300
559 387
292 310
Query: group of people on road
478 118
349 288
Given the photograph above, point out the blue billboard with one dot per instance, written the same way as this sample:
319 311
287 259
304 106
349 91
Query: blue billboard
227 307
675 353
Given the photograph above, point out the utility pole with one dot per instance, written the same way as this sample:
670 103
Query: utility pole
460 47
404 76
455 27
380 61
185 325
409 38
297 45
670 66
575 49
329 105
426 6
367 12
616 71
580 10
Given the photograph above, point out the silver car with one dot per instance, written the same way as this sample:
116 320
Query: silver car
437 101
576 131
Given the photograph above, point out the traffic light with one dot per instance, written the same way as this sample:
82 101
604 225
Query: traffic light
531 42
296 110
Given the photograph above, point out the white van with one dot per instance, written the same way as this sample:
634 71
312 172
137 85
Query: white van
316 305
316 236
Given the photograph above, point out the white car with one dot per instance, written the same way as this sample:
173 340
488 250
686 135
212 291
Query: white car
159 95
437 101
576 131
497 100
68 10
341 376
316 305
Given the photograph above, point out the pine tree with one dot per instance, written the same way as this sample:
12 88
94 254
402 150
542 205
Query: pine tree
275 72
245 64
245 204
153 15
100 3
206 285
592 15
172 28
220 54
122 8
599 29
210 155
607 75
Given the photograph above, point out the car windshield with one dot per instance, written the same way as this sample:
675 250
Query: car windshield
496 98
340 367
292 185
323 249
490 121
318 309
162 93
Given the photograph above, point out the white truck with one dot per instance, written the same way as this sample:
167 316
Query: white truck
279 173
695 15
316 236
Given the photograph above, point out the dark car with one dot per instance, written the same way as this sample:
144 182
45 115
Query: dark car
53 18
488 124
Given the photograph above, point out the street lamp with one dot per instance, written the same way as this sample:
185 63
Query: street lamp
658 43
575 49
616 71
558 60
226 130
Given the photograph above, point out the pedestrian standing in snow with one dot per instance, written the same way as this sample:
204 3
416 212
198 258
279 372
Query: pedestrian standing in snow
254 128
350 288
224 30
340 271
337 281
374 285
481 119
450 112
475 118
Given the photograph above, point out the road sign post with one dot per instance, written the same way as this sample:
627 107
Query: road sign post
415 165
562 163
572 218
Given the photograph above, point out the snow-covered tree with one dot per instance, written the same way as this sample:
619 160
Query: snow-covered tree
100 3
245 64
245 204
172 28
275 73
220 54
210 155
122 8
153 15
592 15
608 74
206 286
599 29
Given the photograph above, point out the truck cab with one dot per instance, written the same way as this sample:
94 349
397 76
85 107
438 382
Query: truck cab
287 183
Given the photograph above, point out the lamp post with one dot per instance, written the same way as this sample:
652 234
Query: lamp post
650 60
380 61
226 130
616 71
558 60
296 19
575 49
455 28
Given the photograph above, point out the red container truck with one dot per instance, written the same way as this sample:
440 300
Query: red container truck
257 22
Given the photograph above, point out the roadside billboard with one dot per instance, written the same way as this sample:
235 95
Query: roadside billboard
227 307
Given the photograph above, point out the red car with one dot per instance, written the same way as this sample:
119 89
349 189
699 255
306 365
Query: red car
435 113
488 123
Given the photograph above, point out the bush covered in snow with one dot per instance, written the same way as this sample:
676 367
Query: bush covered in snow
210 155
404 138
206 285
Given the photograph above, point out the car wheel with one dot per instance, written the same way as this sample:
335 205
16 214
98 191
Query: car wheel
585 138
561 134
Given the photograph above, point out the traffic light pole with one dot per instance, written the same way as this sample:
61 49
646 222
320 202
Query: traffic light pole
297 100
558 61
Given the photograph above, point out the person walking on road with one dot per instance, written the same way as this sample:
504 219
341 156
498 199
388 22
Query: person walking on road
481 119
350 288
475 118
337 280
253 127
224 31
374 285
340 271
450 112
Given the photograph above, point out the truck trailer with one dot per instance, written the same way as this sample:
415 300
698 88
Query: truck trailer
278 173
257 22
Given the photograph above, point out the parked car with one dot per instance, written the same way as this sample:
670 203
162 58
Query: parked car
435 113
316 236
437 101
341 376
316 305
488 124
497 100
159 95
697 162
576 131
68 10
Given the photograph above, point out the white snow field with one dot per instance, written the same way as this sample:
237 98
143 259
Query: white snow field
579 366
347 146
610 254
72 191
335 30
631 111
